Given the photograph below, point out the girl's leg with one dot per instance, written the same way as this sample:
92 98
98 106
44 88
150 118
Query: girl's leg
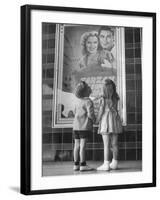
106 142
114 143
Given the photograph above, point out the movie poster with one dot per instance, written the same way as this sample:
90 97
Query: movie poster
90 54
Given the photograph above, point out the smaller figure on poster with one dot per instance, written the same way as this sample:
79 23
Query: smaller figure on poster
70 114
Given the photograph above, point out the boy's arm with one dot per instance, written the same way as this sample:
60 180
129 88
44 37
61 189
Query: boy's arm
90 110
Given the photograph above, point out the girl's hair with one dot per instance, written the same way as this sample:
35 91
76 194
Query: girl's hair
84 38
109 90
81 88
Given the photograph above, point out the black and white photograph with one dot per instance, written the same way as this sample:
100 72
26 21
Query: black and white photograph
99 56
91 107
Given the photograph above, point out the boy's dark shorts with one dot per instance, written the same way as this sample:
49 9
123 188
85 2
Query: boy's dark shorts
81 134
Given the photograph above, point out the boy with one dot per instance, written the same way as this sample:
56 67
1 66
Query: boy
82 124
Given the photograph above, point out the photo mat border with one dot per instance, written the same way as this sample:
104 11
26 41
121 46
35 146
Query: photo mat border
25 185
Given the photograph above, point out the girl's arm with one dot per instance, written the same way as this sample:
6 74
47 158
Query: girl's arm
101 110
74 110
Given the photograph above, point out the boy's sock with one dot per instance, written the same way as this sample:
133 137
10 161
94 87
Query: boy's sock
76 162
76 166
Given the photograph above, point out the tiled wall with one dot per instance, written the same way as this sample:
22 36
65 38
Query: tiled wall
58 143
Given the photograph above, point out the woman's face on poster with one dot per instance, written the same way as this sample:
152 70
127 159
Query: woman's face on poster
92 44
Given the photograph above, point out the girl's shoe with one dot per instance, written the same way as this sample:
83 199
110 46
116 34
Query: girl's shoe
114 164
104 167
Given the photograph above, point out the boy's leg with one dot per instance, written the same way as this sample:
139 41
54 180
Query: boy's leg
82 150
83 165
76 154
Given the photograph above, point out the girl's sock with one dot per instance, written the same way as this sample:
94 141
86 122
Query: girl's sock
104 166
106 162
114 164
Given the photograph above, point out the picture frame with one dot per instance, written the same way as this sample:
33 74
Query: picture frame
46 137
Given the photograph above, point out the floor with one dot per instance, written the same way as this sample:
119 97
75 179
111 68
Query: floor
66 168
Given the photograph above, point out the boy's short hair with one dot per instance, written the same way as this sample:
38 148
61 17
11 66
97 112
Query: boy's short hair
80 89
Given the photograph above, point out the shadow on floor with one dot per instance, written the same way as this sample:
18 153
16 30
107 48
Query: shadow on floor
66 168
15 189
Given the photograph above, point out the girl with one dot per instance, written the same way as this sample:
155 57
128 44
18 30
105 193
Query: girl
82 124
109 124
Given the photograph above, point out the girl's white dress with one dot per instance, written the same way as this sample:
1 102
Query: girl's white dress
110 120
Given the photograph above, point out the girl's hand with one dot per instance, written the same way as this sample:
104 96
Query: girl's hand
97 121
93 98
97 98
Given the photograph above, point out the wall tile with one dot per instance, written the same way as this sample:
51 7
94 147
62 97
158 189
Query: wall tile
131 154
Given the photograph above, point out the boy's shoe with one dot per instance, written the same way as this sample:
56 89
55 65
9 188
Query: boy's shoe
114 164
85 168
76 167
104 167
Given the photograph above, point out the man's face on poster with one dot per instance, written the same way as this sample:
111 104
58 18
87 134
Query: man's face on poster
106 39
